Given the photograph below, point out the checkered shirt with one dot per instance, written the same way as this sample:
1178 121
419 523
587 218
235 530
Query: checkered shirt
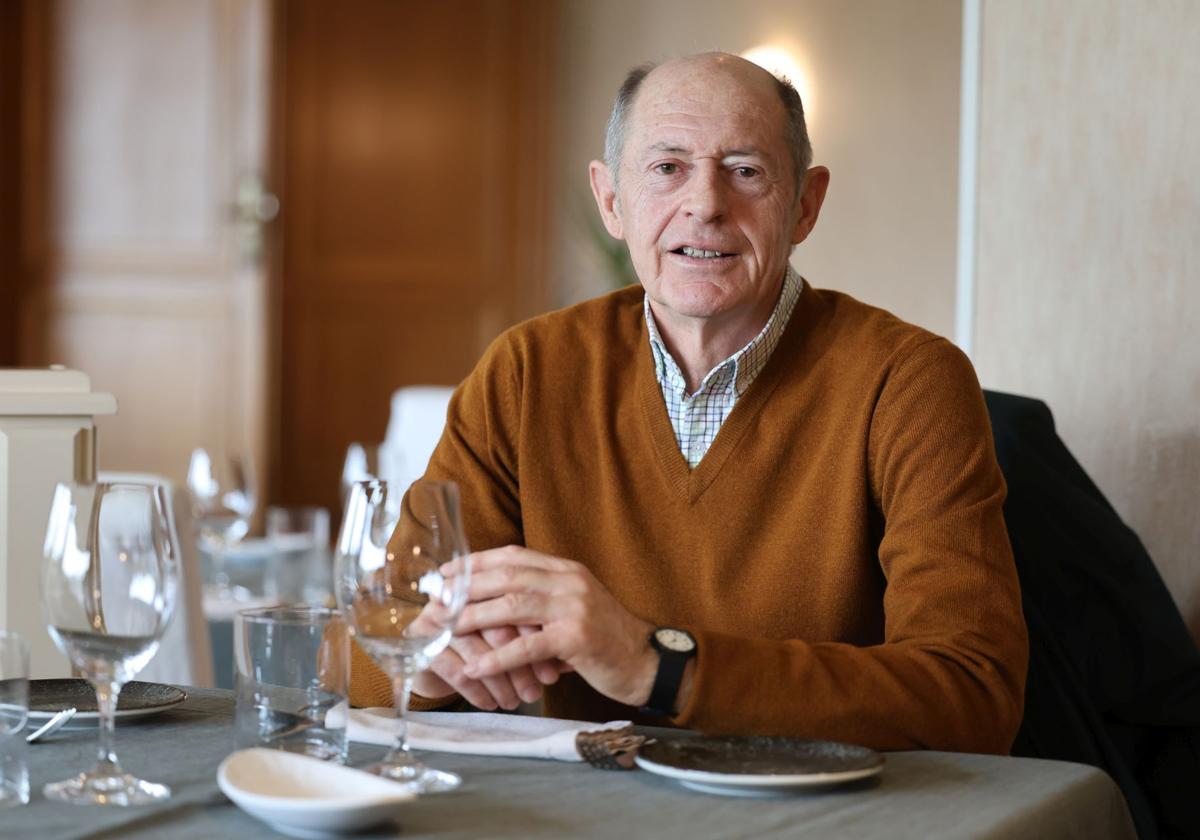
697 418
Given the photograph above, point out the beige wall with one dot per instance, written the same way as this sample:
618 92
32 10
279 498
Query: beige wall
883 117
1088 254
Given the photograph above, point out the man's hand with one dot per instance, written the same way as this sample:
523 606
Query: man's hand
445 674
577 621
505 690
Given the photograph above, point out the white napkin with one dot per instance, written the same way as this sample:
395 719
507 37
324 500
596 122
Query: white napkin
476 733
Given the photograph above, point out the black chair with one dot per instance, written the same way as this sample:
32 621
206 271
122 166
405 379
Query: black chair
1114 674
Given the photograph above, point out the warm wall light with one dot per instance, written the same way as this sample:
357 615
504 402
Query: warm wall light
781 62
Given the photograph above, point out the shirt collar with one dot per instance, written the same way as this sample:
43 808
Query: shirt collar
743 367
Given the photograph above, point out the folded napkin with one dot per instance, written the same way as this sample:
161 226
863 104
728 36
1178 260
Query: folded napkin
477 733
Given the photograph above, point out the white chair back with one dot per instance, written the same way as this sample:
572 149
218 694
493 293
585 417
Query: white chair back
418 417
185 655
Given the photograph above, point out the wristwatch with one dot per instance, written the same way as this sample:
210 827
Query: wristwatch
675 647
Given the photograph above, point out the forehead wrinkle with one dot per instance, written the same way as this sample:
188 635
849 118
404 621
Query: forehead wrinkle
742 152
663 146
683 128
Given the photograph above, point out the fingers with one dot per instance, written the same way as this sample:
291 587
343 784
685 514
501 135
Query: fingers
503 689
514 608
499 686
448 667
546 671
525 681
507 556
523 650
496 582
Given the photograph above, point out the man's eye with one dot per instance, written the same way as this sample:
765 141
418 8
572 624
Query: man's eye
666 168
746 171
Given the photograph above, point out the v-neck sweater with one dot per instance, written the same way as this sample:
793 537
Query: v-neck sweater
839 553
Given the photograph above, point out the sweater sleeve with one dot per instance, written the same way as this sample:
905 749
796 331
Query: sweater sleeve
950 672
478 450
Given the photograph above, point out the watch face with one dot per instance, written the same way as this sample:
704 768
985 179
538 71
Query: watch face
676 640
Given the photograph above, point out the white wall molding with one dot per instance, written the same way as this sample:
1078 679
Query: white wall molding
968 177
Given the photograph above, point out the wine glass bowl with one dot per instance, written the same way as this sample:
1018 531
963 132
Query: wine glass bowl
221 491
110 575
400 608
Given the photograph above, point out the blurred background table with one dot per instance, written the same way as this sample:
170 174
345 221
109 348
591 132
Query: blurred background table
919 795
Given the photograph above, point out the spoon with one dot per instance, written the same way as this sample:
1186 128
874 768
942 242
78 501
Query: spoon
51 726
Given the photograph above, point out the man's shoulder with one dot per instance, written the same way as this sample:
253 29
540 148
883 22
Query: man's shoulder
870 333
602 323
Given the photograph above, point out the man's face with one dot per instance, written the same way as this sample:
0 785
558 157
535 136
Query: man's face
706 190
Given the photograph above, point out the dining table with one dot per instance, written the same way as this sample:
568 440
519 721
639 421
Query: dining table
919 794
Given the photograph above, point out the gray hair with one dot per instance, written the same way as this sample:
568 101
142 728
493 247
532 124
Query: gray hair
795 133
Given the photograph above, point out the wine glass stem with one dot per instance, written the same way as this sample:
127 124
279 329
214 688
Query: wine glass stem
401 690
106 703
220 576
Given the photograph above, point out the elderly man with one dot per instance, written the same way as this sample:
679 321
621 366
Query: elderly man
728 500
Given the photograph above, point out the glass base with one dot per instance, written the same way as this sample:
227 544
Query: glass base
92 789
10 797
416 778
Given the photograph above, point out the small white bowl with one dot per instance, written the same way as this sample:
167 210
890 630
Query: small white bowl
306 797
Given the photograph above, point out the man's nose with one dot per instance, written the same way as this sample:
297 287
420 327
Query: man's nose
705 199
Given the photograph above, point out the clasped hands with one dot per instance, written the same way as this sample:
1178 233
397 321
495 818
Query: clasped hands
531 617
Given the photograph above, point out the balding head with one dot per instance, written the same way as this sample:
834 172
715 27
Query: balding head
701 69
714 194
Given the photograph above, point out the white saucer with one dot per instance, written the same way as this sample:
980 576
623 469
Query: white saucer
306 797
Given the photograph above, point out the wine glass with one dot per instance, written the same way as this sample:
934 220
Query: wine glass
399 607
367 461
110 574
222 496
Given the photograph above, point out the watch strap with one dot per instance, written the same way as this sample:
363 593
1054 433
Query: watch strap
671 666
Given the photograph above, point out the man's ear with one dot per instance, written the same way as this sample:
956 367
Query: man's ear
812 196
606 198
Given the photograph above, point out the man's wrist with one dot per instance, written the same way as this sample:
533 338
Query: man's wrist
674 673
647 671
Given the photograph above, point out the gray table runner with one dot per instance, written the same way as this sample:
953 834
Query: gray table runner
919 795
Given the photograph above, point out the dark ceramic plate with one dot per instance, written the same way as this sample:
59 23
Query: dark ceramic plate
46 697
757 766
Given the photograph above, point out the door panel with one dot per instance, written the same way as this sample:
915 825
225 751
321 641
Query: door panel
155 112
415 147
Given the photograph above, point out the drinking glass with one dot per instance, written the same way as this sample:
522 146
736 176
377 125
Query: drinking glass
14 712
399 607
222 495
110 575
292 679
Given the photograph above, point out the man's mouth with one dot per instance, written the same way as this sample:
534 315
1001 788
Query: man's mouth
700 253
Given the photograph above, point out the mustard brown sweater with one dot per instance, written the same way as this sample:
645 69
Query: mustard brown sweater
839 553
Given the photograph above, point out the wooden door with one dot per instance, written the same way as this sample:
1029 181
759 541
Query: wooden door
10 181
146 120
415 159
